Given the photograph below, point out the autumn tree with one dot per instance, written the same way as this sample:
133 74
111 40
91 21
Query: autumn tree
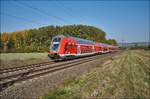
38 40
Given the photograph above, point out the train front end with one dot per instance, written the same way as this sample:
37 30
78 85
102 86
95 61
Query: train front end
55 48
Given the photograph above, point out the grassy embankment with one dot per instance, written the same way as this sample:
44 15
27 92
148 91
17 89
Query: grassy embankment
126 76
18 59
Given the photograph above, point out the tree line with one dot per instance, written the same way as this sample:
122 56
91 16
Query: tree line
38 40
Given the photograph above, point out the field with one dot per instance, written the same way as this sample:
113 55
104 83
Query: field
18 59
125 76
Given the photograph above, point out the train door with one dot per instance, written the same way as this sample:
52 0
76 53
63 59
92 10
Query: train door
93 48
66 48
78 49
75 48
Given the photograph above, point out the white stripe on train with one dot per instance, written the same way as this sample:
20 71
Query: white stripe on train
83 54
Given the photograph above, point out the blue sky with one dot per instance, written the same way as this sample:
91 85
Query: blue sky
121 20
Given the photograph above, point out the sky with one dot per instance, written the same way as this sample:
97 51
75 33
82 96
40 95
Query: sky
125 21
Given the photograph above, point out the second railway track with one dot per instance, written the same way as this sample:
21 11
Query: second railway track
27 72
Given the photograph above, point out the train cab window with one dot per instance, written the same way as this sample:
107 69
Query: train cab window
55 47
57 40
55 44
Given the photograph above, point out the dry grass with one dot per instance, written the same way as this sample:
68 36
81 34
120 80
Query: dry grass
18 59
126 76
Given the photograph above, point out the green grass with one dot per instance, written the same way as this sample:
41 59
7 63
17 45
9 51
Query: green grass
8 60
127 76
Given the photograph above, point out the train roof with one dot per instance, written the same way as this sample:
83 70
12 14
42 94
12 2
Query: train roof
103 44
85 41
80 40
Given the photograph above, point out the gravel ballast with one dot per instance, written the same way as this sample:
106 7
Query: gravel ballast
34 88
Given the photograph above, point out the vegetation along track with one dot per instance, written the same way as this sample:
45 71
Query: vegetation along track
126 76
10 77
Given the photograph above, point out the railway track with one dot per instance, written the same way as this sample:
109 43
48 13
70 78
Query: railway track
6 70
12 75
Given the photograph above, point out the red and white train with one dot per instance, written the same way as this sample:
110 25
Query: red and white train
63 47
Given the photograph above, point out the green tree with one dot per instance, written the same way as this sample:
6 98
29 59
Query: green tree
111 41
10 44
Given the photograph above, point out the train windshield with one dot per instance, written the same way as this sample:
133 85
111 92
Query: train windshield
55 44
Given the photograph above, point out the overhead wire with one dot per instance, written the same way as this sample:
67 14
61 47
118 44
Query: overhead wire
68 10
18 17
41 11
37 9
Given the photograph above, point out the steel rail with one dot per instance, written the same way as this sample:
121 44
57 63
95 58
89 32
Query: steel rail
42 71
6 70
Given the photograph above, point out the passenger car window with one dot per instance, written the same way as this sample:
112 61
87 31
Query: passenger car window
66 46
75 46
71 45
